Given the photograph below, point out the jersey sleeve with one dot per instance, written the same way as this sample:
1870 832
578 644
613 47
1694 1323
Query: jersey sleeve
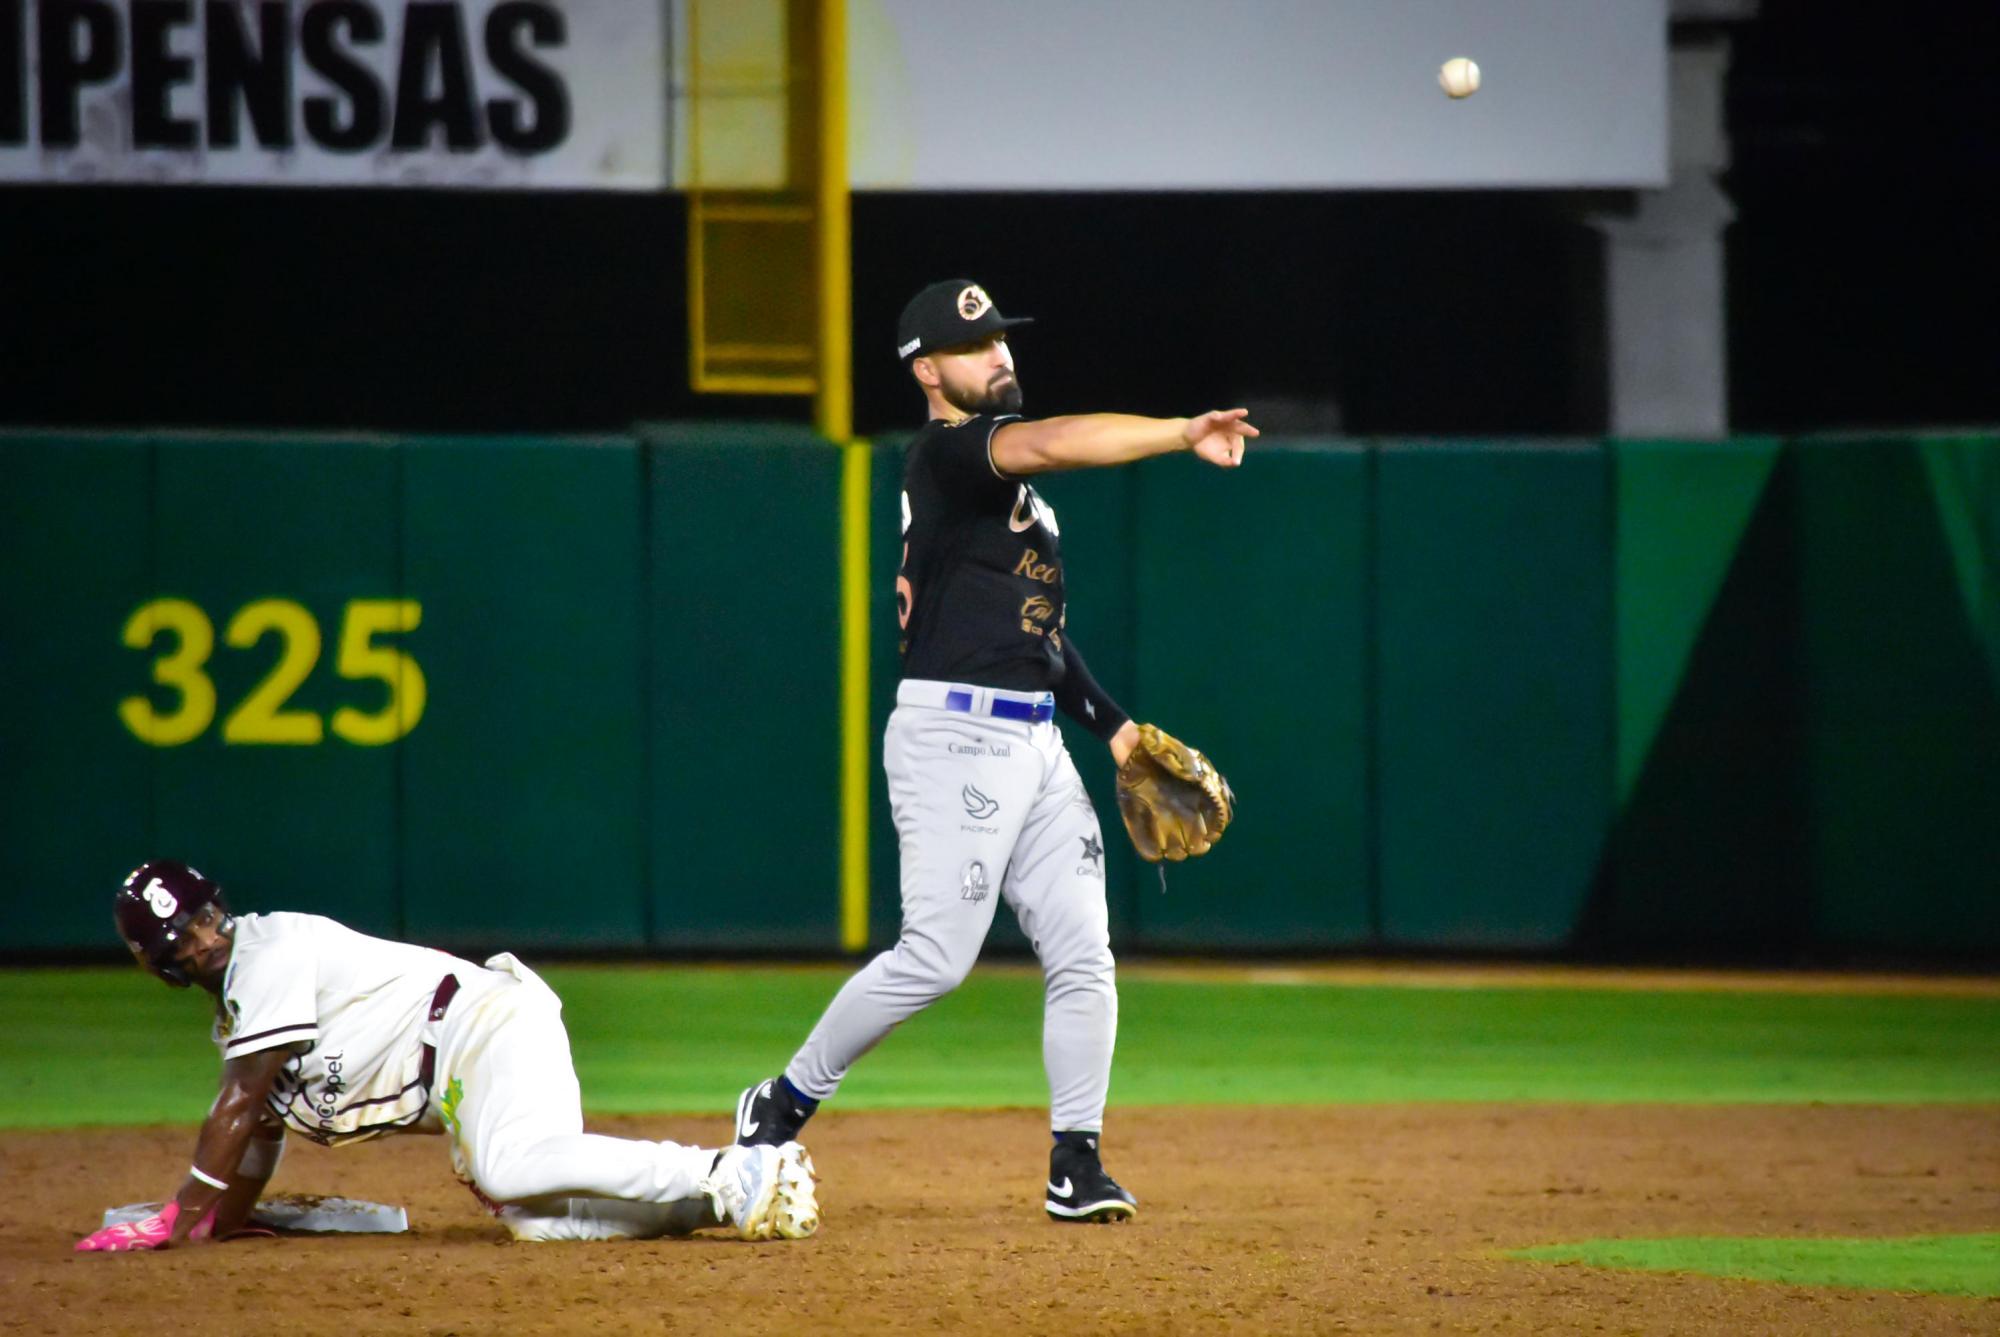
272 998
962 458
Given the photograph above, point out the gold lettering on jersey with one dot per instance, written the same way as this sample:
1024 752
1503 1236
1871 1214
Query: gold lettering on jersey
1033 567
1036 609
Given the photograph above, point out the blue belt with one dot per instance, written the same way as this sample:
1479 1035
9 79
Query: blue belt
1033 712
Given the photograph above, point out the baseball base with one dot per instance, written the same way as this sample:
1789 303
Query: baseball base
304 1213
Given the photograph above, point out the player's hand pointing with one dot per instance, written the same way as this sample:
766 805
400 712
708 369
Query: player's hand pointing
1219 436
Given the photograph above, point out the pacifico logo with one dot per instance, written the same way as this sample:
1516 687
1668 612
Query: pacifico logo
977 805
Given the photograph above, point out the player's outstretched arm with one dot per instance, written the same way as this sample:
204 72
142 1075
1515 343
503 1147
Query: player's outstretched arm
1093 440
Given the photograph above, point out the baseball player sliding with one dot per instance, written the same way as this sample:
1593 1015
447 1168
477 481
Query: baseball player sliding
342 1037
984 794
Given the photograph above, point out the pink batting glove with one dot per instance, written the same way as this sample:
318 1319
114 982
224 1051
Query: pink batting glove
151 1233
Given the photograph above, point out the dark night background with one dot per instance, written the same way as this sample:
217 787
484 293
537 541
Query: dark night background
1862 283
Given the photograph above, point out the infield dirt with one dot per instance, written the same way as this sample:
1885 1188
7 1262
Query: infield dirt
1269 1220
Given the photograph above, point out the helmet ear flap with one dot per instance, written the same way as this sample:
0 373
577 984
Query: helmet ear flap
156 957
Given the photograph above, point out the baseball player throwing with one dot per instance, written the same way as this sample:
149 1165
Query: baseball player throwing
984 794
341 1037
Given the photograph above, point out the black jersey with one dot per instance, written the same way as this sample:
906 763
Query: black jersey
980 595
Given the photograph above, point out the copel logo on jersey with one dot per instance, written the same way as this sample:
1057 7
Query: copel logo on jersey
1029 508
328 1103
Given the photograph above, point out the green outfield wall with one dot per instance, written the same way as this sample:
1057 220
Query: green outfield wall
1714 698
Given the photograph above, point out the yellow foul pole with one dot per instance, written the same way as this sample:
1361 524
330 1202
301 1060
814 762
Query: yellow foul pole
834 410
834 415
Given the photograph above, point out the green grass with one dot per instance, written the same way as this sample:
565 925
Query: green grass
1935 1264
114 1046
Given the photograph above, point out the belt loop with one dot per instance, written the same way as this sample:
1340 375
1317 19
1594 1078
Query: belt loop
446 991
440 1001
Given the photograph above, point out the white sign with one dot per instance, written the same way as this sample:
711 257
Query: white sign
499 94
1090 95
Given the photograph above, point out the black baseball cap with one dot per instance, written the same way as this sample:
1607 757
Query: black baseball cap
948 313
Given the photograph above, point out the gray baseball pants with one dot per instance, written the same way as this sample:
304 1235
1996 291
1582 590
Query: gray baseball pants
984 803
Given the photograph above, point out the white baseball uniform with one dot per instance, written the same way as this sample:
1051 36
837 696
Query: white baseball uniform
381 1043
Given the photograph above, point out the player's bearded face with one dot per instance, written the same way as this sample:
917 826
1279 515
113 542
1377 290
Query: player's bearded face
981 380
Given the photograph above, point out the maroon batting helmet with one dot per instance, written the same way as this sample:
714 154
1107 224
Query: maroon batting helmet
160 898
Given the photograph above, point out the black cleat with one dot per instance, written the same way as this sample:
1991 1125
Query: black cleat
767 1115
1079 1190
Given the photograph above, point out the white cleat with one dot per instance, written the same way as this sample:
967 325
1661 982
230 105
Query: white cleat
795 1213
765 1192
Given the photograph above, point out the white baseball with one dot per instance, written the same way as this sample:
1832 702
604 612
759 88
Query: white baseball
1458 77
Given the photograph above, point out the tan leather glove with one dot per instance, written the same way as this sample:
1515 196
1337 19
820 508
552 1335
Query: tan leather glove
1174 802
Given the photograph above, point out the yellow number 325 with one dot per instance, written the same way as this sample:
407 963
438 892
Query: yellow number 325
262 718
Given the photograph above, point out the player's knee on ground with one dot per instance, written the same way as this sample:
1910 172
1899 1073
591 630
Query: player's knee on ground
536 1224
543 1220
515 1178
